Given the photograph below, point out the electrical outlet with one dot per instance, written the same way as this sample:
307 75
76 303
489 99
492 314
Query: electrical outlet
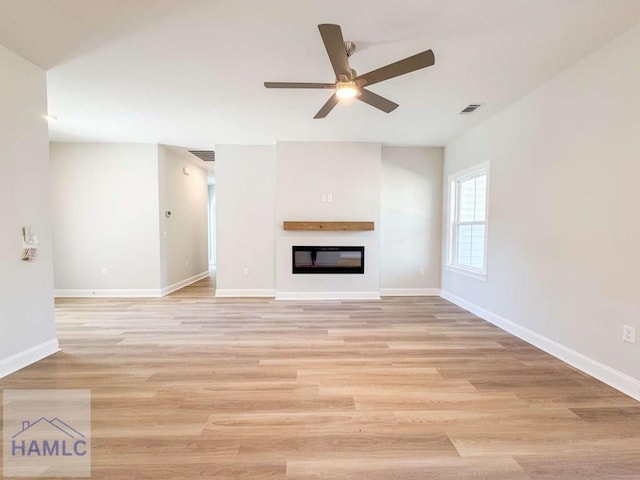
329 197
104 271
421 270
186 264
246 272
629 334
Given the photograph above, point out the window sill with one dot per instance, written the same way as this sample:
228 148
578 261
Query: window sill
468 273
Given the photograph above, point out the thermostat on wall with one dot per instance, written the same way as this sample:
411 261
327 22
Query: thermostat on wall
29 245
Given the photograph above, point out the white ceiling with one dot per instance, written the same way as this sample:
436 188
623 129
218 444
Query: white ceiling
190 72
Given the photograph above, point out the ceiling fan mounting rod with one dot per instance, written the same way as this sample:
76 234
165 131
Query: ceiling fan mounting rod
350 47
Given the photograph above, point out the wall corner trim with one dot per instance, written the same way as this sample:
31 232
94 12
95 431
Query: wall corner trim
183 283
612 377
31 355
410 292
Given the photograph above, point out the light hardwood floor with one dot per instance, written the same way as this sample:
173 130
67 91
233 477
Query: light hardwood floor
189 386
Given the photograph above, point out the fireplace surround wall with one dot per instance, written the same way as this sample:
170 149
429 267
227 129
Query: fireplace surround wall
307 173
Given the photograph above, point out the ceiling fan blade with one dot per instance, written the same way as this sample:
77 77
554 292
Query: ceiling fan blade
327 107
298 85
377 101
407 65
334 43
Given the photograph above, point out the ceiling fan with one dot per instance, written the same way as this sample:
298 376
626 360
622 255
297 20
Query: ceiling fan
348 83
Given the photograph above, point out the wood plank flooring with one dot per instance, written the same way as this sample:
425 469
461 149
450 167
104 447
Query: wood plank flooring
189 386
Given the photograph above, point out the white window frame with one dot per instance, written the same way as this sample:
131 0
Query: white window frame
453 212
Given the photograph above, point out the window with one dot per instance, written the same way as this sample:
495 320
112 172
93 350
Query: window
468 221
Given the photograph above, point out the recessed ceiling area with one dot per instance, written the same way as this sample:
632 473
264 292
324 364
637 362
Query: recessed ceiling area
190 72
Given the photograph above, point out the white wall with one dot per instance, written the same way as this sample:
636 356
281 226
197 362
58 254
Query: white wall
399 188
563 257
211 191
411 220
27 328
350 172
245 198
105 211
183 235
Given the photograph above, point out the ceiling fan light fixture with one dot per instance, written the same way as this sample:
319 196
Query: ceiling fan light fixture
346 90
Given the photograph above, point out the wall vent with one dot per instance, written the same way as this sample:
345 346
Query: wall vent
471 108
204 155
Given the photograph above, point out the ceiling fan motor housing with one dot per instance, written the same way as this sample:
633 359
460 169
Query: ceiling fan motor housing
347 78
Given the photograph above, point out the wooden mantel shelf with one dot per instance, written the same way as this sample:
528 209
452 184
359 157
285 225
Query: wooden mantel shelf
329 226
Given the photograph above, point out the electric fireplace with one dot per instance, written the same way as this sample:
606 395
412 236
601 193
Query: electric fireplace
316 259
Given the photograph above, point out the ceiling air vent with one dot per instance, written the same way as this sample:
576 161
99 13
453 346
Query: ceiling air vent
471 108
204 155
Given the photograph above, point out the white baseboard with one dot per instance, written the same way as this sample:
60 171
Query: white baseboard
29 356
409 292
148 292
128 292
614 378
245 292
184 283
374 295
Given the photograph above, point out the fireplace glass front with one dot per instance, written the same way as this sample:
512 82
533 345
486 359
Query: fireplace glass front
317 259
